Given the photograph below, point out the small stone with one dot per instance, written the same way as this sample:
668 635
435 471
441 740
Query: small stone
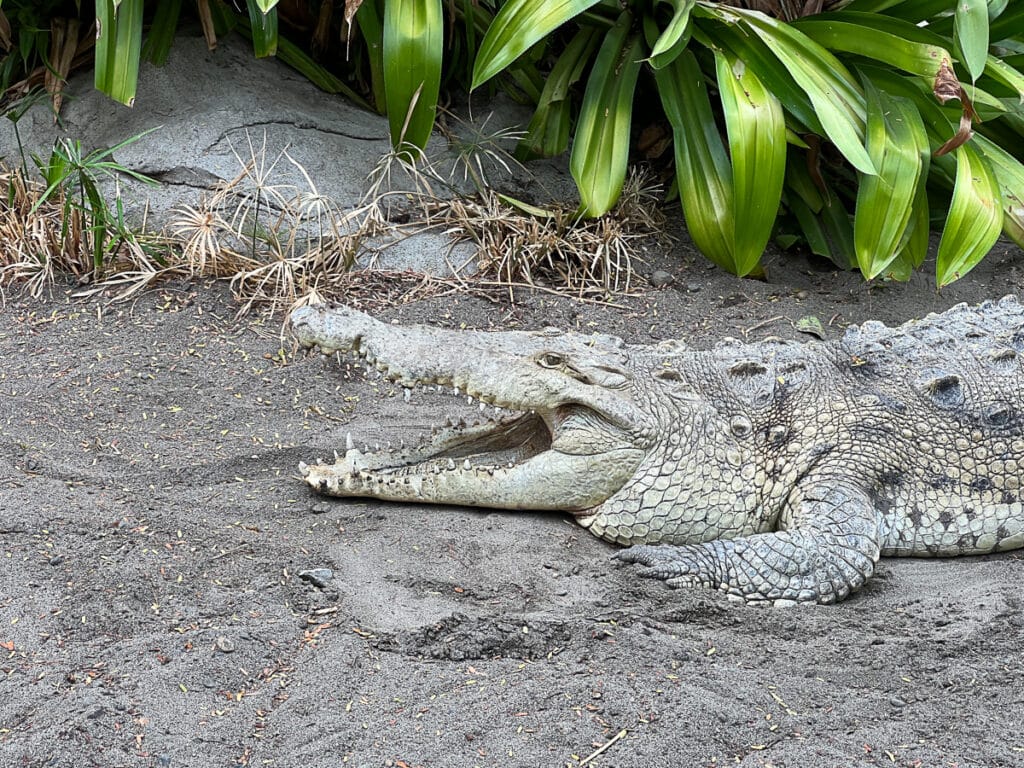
801 294
897 702
56 560
225 644
318 577
321 508
693 287
661 278
783 603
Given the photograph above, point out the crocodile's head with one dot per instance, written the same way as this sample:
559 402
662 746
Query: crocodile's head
567 433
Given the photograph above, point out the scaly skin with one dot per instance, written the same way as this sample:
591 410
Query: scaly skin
773 471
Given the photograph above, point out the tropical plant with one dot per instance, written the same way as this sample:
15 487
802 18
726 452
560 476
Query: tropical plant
858 120
73 176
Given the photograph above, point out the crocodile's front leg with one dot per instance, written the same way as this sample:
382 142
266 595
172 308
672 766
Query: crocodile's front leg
827 549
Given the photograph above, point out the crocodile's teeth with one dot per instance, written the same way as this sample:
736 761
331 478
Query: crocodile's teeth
407 394
482 407
355 458
469 399
466 464
350 444
451 464
303 468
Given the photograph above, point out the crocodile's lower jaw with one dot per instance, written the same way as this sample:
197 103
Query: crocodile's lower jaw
504 465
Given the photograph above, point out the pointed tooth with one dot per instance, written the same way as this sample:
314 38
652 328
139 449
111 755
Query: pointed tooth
337 458
482 407
466 464
407 394
319 460
349 442
366 447
469 399
303 468
510 465
451 464
376 447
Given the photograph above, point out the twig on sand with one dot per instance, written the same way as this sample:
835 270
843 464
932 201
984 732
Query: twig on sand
620 735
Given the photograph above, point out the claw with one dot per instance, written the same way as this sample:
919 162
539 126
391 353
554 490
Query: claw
304 468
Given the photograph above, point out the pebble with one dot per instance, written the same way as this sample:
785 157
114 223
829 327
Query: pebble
661 278
897 702
318 577
225 644
56 560
320 508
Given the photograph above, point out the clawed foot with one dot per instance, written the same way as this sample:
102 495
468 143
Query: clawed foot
676 566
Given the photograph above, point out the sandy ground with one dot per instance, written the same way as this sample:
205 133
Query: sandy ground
152 611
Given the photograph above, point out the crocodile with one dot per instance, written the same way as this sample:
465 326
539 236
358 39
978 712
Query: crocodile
774 471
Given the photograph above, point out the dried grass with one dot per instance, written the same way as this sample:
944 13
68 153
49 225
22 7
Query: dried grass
280 243
553 246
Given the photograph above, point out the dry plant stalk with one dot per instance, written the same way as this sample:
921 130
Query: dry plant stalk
276 242
555 246
37 241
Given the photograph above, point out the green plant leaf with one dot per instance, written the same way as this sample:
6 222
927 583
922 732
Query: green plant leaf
769 70
837 98
702 166
975 217
548 132
371 27
600 149
756 130
898 146
673 40
917 239
118 48
161 32
413 50
263 25
265 5
1009 174
517 27
971 34
860 39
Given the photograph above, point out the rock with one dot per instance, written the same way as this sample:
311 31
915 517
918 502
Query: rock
661 278
225 644
318 577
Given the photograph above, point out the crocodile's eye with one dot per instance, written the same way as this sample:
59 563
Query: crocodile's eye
551 360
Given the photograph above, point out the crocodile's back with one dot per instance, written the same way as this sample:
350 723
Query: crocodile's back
938 409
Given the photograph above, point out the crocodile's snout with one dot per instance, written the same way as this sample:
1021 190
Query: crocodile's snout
305 322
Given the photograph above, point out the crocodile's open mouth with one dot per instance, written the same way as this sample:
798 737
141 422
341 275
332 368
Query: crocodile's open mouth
536 459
